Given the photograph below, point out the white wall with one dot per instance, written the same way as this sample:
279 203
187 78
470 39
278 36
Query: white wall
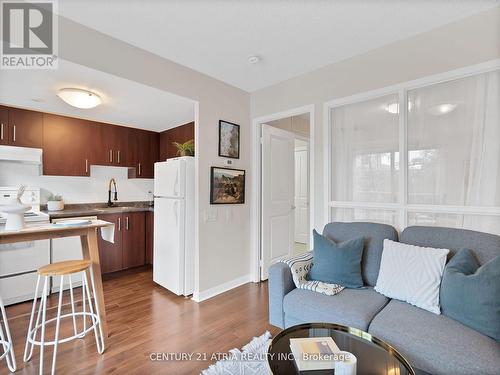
77 189
224 244
466 42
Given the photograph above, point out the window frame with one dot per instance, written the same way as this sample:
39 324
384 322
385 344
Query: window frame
402 207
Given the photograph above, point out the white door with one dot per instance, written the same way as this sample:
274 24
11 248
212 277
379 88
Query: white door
277 195
168 258
169 178
301 192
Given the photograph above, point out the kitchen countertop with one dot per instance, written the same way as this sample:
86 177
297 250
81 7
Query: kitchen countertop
92 209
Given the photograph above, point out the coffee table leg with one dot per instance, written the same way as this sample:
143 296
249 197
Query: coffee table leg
91 251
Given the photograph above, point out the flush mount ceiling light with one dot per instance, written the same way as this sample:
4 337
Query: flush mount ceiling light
253 59
442 109
80 98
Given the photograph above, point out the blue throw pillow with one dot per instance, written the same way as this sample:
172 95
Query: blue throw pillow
337 263
471 294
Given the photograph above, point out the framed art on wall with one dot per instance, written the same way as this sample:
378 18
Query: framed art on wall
229 140
227 186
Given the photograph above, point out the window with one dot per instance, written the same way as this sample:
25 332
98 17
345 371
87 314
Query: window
449 150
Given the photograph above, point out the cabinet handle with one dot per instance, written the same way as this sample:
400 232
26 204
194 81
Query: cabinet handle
119 224
86 165
1 131
140 169
118 156
110 156
126 223
14 133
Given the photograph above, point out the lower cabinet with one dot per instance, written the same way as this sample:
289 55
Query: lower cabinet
129 249
149 237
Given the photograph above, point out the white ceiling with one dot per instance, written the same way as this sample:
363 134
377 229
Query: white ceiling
124 102
292 37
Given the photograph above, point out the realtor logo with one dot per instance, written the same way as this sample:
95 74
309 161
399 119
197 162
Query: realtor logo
29 35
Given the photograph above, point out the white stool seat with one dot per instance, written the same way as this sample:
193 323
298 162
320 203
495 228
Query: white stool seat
6 341
62 270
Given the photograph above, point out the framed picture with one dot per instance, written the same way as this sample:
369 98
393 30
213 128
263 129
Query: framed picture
227 186
229 140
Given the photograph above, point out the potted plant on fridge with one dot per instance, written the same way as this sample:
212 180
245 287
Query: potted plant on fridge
185 149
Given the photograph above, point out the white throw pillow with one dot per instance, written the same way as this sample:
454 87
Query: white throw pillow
412 274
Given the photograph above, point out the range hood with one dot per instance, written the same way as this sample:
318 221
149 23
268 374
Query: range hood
21 154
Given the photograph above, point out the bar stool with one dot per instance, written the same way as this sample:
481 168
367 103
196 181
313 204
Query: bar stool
62 269
6 341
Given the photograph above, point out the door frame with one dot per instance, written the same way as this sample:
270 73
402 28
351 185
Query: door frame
308 140
256 194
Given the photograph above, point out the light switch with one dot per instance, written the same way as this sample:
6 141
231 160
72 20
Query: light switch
211 215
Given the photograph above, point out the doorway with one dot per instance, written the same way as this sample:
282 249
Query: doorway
281 219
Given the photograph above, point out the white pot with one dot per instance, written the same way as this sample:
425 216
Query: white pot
55 205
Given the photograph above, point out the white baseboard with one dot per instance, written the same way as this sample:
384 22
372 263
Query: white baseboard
216 290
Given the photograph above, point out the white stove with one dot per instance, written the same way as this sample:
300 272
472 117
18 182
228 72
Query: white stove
19 262
31 196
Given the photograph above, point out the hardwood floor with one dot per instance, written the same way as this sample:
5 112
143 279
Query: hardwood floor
143 319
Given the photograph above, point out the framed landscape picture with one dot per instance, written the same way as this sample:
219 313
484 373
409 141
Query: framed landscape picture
229 140
227 186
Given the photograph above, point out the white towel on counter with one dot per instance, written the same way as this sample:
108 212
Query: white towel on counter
108 233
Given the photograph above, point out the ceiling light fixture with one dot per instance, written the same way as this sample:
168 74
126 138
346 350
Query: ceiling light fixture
253 59
80 98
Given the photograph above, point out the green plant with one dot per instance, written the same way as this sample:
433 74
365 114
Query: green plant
186 148
55 198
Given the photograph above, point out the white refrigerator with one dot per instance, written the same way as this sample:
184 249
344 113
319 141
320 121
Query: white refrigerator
173 257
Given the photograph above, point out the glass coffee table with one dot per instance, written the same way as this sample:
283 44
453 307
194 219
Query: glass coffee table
373 355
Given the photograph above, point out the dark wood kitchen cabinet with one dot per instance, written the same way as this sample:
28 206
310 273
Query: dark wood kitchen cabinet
180 134
110 254
66 146
143 151
21 127
4 125
133 239
149 237
129 249
110 144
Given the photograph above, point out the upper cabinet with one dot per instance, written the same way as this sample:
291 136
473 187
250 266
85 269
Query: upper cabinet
4 125
20 127
143 153
71 145
179 134
110 144
66 146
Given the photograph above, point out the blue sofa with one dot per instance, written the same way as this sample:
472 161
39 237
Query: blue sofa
433 344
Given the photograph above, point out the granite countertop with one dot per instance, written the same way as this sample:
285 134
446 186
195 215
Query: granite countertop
93 209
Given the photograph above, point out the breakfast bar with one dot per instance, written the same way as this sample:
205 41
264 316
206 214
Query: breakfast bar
88 236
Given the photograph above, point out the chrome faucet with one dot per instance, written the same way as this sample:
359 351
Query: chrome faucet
112 181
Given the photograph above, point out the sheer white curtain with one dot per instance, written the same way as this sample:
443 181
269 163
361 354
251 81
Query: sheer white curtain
453 151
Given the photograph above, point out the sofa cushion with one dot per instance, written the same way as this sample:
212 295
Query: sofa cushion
373 235
337 263
351 307
412 274
485 246
435 343
471 294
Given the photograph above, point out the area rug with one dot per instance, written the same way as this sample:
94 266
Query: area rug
250 360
